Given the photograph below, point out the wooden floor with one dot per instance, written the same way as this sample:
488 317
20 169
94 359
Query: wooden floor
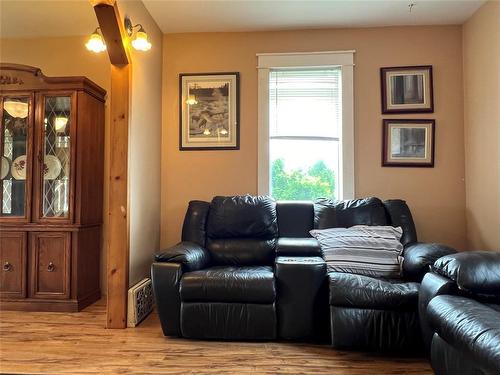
60 343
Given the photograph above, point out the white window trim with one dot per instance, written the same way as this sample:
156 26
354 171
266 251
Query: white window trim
344 59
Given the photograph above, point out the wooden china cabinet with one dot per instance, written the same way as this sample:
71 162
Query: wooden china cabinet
51 190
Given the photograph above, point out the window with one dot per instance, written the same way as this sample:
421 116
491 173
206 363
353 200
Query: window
304 121
305 126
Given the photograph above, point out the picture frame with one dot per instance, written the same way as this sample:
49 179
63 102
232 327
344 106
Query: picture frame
407 89
209 111
408 143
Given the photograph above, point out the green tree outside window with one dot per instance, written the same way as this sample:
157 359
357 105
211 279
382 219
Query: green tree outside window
315 182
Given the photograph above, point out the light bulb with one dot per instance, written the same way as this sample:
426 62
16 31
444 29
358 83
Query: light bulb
60 124
16 109
191 100
96 43
141 42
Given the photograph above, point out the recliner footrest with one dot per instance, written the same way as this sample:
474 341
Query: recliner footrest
228 321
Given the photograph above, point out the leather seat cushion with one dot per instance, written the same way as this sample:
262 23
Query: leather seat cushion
229 284
350 290
494 306
469 326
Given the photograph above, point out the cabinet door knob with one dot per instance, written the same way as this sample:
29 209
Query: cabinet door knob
51 267
7 267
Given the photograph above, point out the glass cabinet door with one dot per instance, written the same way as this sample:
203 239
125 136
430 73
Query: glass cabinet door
15 160
55 164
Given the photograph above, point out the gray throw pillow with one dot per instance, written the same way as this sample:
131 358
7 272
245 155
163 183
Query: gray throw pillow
364 250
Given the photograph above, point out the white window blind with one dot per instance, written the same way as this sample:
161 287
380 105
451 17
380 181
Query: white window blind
306 103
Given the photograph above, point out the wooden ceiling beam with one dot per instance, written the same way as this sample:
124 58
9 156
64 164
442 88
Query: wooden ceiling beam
113 32
117 231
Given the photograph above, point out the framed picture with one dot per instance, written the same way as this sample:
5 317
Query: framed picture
407 89
408 143
209 111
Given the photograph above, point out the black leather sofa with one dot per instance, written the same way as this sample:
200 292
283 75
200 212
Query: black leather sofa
248 269
460 313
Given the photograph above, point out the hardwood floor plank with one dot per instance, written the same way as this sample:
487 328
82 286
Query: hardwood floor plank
78 343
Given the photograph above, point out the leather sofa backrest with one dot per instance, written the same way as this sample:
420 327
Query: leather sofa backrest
399 215
366 211
195 220
230 227
476 273
242 230
295 218
345 214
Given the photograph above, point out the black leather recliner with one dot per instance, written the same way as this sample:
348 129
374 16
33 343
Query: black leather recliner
247 268
219 281
370 313
460 313
375 314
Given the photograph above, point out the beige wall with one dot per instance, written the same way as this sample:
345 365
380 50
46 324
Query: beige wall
436 195
66 57
144 145
481 59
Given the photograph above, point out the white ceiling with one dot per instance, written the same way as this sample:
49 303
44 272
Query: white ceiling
174 16
43 18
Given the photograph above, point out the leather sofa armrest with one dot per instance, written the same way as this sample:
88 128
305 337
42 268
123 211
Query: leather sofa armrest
189 255
474 272
470 327
166 274
302 302
299 247
419 257
166 278
432 285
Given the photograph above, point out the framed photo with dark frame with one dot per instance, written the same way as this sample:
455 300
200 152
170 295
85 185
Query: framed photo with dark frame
209 111
408 143
407 89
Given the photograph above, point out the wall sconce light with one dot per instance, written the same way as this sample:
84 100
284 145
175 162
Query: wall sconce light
140 42
96 42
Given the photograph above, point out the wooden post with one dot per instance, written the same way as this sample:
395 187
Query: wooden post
118 228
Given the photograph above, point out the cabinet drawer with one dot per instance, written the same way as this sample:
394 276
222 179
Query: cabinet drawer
13 264
50 257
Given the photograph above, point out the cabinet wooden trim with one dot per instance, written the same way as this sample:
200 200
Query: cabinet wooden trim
18 76
10 266
41 267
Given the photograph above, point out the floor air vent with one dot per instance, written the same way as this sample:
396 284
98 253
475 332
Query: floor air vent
140 302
